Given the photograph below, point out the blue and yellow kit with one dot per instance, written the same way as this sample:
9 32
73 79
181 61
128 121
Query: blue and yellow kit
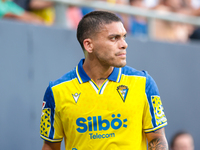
115 116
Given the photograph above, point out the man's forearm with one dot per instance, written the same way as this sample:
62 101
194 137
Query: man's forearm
158 144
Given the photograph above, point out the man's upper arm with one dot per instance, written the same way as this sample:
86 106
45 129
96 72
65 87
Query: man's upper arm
157 140
51 130
153 117
51 146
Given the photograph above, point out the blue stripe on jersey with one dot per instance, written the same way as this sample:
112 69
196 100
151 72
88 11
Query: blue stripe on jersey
119 75
151 89
114 75
49 96
95 85
102 87
67 77
50 103
78 76
81 72
132 72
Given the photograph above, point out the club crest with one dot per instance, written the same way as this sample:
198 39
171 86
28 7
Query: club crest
122 90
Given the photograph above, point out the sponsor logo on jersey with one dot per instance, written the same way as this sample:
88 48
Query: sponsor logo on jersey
122 90
97 123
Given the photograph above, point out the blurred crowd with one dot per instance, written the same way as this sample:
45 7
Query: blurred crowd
30 11
42 12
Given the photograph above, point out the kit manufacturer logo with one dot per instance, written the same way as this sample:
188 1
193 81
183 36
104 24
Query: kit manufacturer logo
76 96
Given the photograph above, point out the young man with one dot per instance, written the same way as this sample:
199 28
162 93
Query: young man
103 104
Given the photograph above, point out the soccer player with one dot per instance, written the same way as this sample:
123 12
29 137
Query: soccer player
102 104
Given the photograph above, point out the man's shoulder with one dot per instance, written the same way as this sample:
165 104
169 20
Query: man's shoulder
65 78
129 71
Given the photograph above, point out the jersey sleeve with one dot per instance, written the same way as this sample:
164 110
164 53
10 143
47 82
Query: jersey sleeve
50 125
154 117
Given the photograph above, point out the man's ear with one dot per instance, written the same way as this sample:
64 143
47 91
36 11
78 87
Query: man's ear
87 43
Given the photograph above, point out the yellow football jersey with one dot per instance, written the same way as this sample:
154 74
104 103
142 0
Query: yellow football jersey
115 116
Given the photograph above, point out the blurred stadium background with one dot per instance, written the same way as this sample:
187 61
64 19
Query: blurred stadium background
32 55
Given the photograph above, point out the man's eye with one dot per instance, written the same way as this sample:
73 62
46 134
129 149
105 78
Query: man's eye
113 38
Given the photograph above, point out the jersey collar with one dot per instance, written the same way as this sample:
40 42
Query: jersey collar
83 77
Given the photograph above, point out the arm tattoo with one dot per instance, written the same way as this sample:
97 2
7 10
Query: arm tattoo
158 144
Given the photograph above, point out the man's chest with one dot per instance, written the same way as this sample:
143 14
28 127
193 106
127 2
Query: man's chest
89 107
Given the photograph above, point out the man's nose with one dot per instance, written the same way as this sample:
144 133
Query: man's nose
123 44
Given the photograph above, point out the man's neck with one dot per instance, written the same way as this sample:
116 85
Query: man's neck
97 72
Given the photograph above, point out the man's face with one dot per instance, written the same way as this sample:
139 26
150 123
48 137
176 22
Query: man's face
109 45
184 142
